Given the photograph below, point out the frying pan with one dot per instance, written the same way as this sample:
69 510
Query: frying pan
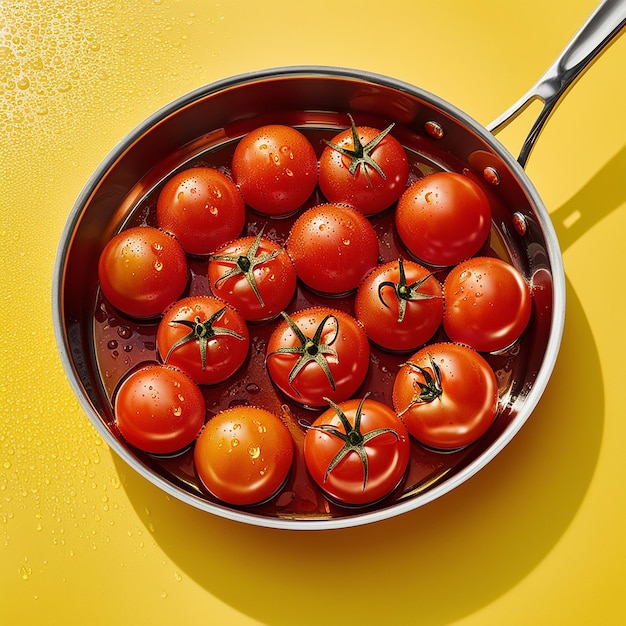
98 345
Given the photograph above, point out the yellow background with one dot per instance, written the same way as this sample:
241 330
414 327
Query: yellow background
535 538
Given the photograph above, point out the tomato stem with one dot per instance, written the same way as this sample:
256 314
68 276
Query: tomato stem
354 440
404 292
310 349
428 390
201 332
361 155
246 263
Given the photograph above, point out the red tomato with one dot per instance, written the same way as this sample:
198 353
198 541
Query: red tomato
443 218
487 304
365 168
202 207
142 270
254 275
332 247
447 395
275 168
400 304
243 455
159 409
357 451
318 353
204 337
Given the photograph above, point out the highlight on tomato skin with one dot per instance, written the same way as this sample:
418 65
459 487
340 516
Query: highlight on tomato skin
357 451
254 275
447 396
243 455
275 168
205 337
487 304
332 247
400 304
316 354
364 167
443 218
159 409
142 270
202 207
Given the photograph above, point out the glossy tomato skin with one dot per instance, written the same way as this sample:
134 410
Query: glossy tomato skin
443 218
275 167
487 304
159 409
347 356
142 270
464 404
387 454
270 269
226 343
243 455
202 207
365 189
332 247
378 306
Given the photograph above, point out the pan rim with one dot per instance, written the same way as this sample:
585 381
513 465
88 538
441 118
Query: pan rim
530 401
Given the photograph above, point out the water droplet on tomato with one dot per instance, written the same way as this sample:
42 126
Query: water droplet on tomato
429 197
157 248
234 442
158 266
177 411
254 451
213 210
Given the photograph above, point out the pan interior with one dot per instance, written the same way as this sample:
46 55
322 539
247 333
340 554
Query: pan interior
99 345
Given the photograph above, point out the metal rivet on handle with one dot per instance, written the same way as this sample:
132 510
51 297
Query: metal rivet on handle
434 129
519 223
490 174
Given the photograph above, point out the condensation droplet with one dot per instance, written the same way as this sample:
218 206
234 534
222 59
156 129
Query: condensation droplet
253 388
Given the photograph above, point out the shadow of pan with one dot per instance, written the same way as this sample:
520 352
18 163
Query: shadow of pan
598 198
449 558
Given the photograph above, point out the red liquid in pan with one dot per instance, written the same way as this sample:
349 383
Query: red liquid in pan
122 344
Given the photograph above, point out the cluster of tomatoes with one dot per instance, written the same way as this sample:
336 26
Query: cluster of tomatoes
357 449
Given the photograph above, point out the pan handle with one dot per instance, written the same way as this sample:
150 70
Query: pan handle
593 37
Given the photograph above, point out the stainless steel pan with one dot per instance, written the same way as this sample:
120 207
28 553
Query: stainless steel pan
97 345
